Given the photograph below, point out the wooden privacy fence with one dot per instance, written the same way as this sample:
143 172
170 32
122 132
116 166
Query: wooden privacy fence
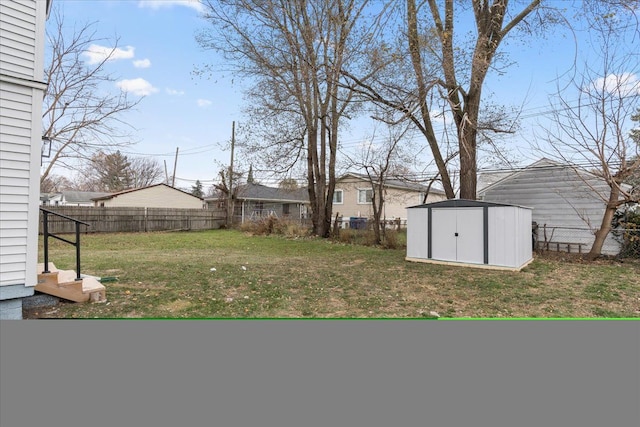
120 219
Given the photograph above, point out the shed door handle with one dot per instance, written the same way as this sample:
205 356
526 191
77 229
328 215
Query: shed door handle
456 234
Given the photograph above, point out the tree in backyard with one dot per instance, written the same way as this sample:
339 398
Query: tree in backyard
145 171
250 178
294 51
379 161
113 172
437 67
55 184
80 113
288 184
590 120
634 179
196 190
227 192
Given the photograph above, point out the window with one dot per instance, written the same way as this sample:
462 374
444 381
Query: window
285 209
337 197
365 196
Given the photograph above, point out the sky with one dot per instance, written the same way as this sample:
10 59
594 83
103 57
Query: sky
157 55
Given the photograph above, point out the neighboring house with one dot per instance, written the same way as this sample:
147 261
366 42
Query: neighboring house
22 31
51 199
255 201
568 200
71 198
153 196
353 194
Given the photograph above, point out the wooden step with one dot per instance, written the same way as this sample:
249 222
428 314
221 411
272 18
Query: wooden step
63 284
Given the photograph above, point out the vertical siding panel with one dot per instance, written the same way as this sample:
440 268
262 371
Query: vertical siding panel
417 233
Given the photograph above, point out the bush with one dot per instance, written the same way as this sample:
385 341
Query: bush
394 239
274 225
627 231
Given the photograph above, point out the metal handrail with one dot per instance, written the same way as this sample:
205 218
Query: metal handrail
47 234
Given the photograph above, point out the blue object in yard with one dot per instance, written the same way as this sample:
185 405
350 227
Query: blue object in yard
357 223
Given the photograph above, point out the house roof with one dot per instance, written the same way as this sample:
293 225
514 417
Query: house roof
82 196
112 195
253 191
395 183
485 179
543 163
462 203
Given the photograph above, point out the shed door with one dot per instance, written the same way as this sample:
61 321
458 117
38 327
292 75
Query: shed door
470 240
457 235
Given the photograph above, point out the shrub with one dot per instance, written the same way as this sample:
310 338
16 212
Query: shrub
627 231
274 225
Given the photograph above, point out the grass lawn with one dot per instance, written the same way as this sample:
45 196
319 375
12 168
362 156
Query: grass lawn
168 275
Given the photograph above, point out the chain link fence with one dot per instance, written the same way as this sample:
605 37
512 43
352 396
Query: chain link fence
629 238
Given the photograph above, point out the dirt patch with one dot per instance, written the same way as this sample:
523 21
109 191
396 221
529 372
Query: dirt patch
175 306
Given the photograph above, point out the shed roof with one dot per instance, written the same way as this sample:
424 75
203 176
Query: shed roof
462 203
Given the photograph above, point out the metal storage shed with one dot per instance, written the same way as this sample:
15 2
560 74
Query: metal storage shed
469 232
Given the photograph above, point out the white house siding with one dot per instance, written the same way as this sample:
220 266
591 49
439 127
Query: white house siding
559 198
158 196
21 93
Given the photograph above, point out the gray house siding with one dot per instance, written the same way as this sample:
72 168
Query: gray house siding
560 196
21 93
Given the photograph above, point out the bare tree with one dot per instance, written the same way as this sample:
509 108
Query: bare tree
592 130
55 184
145 171
438 69
227 194
114 172
294 51
634 179
379 161
79 116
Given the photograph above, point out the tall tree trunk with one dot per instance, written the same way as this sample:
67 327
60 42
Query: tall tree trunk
312 142
605 226
416 60
467 131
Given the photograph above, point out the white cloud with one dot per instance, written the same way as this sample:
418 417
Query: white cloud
157 4
175 92
204 102
97 53
142 63
139 86
625 84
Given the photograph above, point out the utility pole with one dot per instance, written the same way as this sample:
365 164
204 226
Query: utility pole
166 174
175 165
230 195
